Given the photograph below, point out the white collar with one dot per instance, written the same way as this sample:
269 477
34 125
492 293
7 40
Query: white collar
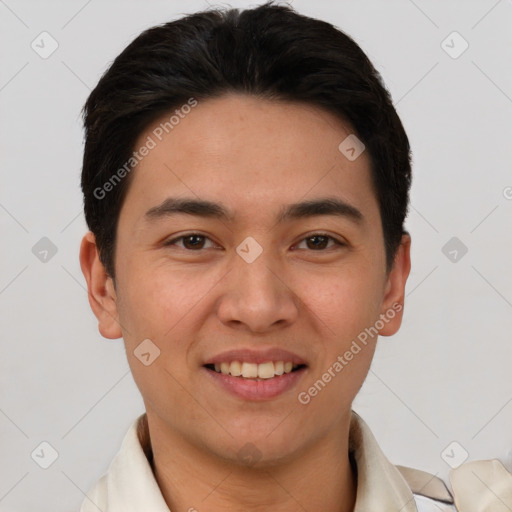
130 485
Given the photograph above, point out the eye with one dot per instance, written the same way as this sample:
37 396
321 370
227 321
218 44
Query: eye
191 241
319 242
196 242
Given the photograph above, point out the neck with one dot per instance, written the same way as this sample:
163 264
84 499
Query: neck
320 478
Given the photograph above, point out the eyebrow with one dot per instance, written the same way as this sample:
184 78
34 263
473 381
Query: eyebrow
190 206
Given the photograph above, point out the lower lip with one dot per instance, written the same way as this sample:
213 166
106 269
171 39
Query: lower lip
250 389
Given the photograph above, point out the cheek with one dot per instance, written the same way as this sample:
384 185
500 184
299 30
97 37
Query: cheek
168 306
157 302
348 304
346 301
331 391
156 305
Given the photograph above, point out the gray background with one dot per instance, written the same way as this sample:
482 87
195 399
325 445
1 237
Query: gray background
445 377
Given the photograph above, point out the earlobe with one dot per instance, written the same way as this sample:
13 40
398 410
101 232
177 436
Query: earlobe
394 295
100 287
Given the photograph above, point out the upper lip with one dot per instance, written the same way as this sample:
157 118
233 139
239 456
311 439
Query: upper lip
250 355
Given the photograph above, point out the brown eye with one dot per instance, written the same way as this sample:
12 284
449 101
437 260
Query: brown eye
319 242
191 242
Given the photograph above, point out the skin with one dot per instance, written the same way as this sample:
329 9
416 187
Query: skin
254 156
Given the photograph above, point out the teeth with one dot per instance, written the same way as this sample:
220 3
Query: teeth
249 370
265 370
255 371
235 369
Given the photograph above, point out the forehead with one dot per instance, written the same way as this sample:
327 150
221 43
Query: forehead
250 151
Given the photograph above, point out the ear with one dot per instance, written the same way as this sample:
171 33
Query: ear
394 293
100 286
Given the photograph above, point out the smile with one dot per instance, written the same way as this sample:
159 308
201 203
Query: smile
246 370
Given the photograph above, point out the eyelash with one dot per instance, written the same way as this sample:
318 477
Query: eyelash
188 235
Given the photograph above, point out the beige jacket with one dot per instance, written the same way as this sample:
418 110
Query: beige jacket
130 486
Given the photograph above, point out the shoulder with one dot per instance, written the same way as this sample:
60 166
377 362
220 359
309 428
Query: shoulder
424 504
96 498
482 485
477 486
430 492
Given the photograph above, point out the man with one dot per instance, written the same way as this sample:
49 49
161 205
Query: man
245 183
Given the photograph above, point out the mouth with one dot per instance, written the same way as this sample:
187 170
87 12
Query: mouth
255 371
255 375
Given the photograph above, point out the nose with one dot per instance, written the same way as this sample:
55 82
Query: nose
256 296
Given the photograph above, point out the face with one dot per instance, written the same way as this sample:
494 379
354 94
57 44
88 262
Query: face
248 242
